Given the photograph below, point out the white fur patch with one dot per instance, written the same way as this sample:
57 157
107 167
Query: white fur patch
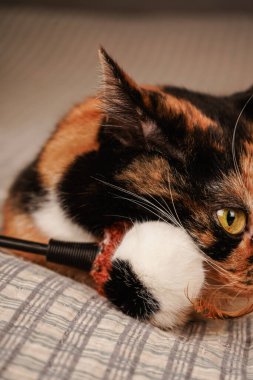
54 223
168 263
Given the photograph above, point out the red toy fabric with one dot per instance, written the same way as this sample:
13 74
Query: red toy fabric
102 264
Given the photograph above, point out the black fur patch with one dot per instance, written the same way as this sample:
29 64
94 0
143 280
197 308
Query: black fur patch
92 203
125 290
223 247
27 190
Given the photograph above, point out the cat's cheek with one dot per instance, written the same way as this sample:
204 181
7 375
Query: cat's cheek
156 270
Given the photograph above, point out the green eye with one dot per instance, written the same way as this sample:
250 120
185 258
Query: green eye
231 220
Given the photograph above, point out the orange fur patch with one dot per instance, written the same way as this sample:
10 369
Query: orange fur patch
148 176
206 238
146 96
176 107
75 135
193 116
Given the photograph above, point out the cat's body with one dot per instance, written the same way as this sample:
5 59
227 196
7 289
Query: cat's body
143 153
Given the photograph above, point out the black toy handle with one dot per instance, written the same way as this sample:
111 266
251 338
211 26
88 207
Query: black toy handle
74 254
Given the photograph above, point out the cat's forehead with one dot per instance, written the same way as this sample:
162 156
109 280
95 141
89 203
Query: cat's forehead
208 111
217 108
214 121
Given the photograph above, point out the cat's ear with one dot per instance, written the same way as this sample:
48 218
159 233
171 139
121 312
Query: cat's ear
124 102
244 102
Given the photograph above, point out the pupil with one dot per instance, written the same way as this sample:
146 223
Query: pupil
230 217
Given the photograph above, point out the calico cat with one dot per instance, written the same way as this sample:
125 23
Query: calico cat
175 164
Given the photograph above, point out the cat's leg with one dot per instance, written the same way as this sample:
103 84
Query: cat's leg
156 270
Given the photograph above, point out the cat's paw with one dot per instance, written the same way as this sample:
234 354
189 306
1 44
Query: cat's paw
156 270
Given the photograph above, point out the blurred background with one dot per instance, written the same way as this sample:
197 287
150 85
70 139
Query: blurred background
49 57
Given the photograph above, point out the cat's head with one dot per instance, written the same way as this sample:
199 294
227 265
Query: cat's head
192 160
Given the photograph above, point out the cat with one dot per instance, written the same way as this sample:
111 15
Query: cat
177 165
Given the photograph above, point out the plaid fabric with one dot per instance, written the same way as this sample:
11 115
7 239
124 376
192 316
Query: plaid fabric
53 328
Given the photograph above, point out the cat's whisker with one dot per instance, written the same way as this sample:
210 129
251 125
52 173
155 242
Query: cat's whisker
139 203
218 287
133 194
173 204
166 206
113 126
167 210
142 205
212 263
236 166
121 216
237 295
141 198
231 285
216 267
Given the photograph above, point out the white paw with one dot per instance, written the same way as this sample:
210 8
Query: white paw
166 268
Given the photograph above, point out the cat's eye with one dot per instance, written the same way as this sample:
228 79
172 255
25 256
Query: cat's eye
231 220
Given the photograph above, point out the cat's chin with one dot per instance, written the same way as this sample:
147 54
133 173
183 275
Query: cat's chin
156 272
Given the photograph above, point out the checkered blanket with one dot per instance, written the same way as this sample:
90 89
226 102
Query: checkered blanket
53 328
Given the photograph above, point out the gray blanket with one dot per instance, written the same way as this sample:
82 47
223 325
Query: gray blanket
53 328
